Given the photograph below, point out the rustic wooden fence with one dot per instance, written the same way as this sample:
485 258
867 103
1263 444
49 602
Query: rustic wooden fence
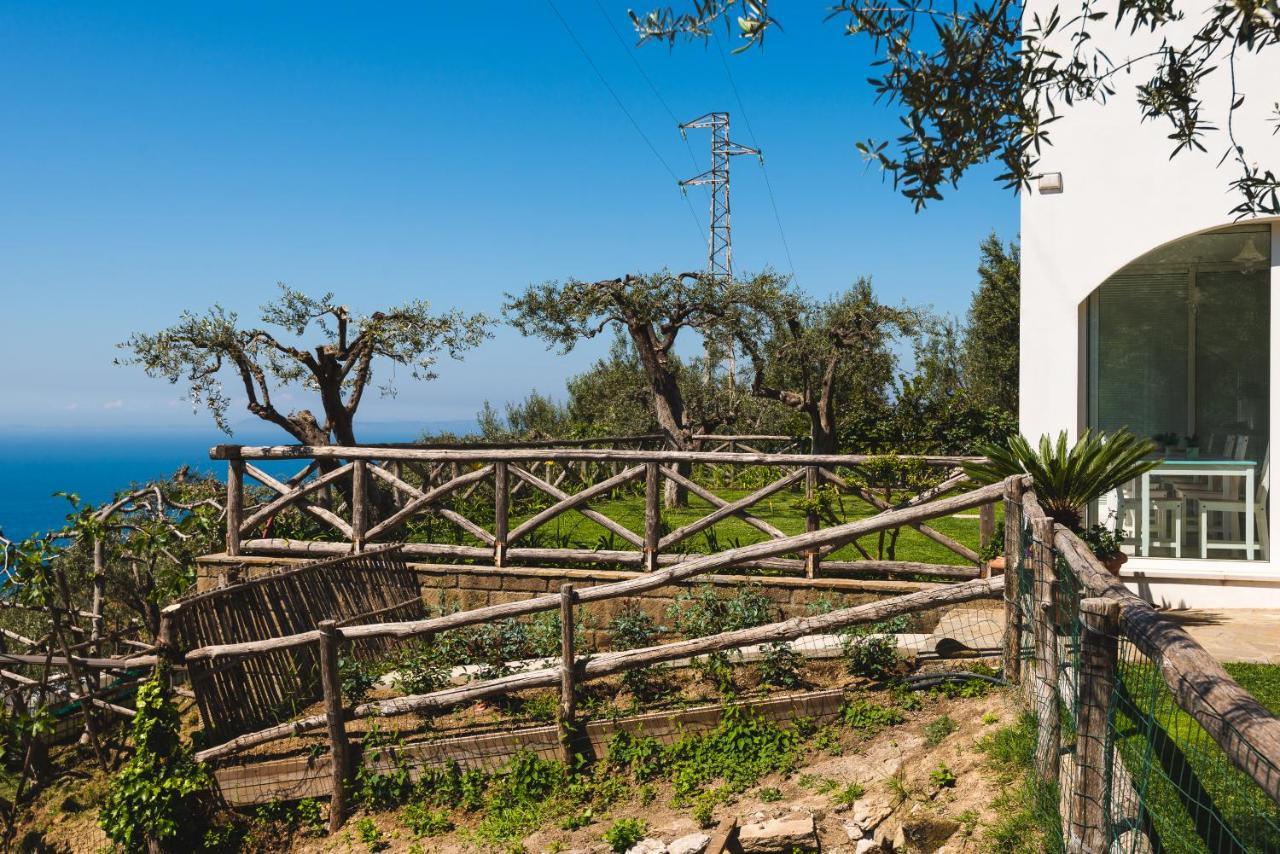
327 637
336 484
376 585
1162 750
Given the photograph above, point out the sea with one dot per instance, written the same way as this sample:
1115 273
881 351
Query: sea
36 465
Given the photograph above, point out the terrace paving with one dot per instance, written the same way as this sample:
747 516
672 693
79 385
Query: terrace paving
1234 634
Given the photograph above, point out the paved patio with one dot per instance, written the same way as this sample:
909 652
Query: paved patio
1237 634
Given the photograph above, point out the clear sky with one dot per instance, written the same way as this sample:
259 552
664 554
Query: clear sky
157 157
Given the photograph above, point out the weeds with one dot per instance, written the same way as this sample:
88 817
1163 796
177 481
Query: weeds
625 833
938 729
869 718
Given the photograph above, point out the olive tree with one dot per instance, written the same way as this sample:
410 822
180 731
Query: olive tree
202 350
818 357
982 81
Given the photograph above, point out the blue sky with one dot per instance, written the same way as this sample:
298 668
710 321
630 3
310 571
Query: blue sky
162 157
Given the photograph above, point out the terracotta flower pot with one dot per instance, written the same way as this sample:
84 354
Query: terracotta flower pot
996 564
1114 562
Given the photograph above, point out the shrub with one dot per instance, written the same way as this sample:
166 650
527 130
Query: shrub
376 790
769 794
846 796
872 651
157 795
421 820
942 777
780 665
869 718
938 729
632 628
368 833
357 678
420 671
625 833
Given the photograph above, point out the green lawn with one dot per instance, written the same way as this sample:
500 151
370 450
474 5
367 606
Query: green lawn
1196 800
572 530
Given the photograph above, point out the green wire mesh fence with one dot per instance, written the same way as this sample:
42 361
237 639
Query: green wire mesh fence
1165 784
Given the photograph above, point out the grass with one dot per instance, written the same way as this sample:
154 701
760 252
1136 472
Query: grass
1195 800
572 530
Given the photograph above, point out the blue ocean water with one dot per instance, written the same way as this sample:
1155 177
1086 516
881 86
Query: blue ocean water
36 464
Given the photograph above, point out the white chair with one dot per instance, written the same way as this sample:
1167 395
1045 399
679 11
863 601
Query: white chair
1234 509
1166 529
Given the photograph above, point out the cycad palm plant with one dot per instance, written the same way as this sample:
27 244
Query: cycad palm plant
1067 479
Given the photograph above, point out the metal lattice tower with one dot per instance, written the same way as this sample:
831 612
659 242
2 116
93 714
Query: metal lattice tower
719 244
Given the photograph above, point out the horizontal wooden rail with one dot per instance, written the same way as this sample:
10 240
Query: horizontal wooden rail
1247 732
617 662
837 535
516 455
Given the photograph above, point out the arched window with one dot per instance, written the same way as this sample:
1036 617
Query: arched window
1178 346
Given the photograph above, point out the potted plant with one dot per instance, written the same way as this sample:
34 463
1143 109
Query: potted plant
1193 447
1068 478
1167 441
992 554
1105 545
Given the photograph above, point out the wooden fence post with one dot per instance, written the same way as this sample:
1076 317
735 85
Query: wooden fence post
339 749
812 556
359 503
565 720
501 512
986 523
235 503
1049 731
1012 560
1099 647
652 516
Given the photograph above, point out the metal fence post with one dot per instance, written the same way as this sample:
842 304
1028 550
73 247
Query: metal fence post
1099 648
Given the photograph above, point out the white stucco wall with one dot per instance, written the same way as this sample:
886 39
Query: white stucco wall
1123 196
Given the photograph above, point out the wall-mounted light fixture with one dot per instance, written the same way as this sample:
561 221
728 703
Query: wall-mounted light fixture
1050 182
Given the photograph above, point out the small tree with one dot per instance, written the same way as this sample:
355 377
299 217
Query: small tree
156 796
339 368
990 356
816 357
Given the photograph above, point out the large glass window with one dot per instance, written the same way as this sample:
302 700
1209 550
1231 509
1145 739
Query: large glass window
1179 350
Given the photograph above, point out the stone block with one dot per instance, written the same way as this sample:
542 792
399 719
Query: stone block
778 836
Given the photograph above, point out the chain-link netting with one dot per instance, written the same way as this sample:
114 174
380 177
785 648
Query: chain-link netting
1162 783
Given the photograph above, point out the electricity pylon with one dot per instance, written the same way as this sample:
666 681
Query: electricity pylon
720 243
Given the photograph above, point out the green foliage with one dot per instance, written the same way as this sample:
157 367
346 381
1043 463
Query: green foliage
158 794
375 789
991 335
424 821
769 794
419 669
869 718
703 813
535 418
1101 540
357 677
846 796
938 729
193 351
368 833
1067 479
624 833
995 546
780 665
701 612
872 656
942 777
632 628
1027 810
305 815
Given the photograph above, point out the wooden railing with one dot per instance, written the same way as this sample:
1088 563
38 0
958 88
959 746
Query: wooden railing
328 637
1103 614
337 485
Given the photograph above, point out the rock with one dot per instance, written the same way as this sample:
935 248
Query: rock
868 815
778 836
927 833
648 846
900 839
866 844
886 833
694 843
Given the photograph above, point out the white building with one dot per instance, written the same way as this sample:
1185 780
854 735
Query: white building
1144 304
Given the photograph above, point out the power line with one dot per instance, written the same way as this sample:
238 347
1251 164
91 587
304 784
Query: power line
768 185
621 106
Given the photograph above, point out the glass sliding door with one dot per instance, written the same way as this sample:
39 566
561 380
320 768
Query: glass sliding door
1179 350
